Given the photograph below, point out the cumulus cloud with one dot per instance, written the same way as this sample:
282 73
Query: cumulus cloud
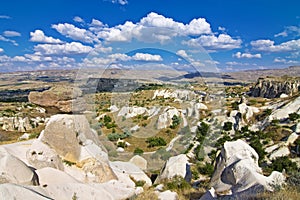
75 33
63 49
246 55
4 39
289 30
269 46
154 28
146 57
121 2
1 50
5 17
78 19
182 53
39 36
11 34
284 61
212 42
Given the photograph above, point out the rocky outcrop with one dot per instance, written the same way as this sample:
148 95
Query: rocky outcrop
16 124
139 161
71 137
175 166
13 170
66 99
275 87
238 175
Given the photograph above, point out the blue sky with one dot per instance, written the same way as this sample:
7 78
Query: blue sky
230 35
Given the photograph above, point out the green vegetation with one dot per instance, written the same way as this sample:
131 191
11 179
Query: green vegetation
69 163
227 126
283 163
294 116
116 136
177 184
205 169
175 122
138 151
156 142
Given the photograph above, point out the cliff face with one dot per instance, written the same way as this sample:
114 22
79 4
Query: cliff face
274 87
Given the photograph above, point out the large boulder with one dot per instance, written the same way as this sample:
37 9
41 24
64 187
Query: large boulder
40 155
13 191
128 172
13 170
237 172
74 141
139 161
65 98
175 166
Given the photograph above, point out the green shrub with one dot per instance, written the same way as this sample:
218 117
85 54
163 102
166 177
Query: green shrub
175 121
177 183
227 126
206 169
294 116
283 163
138 151
156 141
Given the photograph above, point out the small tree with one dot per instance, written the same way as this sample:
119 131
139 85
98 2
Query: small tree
175 121
138 151
227 126
294 116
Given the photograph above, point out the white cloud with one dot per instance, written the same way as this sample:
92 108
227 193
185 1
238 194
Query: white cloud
284 61
121 2
5 17
220 28
212 42
269 46
154 28
78 19
119 57
146 57
233 63
289 30
246 55
11 34
39 36
8 40
75 33
62 49
182 53
1 50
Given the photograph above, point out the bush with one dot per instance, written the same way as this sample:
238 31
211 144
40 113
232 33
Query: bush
294 116
206 169
175 121
177 183
283 163
156 141
258 147
138 151
227 126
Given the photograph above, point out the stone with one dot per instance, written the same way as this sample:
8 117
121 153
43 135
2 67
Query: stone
65 98
284 111
237 172
49 175
130 171
13 191
275 87
40 155
281 152
13 170
165 119
167 195
74 141
291 139
139 161
175 166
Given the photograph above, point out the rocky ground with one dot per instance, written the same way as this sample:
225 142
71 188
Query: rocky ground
157 141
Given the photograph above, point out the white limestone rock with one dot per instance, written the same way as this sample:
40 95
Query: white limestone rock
139 161
40 155
12 191
129 170
237 171
175 166
167 195
281 152
13 170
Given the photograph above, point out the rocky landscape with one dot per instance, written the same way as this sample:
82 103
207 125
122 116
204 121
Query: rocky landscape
159 141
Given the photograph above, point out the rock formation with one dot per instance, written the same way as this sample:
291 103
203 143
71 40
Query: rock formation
65 99
175 166
238 175
275 87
